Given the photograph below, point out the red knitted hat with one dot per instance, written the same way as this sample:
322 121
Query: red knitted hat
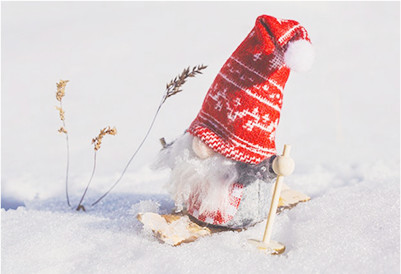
242 108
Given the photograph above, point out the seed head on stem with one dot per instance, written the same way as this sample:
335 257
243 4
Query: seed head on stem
97 141
172 88
61 89
59 96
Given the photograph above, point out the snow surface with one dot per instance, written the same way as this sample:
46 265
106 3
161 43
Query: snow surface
341 117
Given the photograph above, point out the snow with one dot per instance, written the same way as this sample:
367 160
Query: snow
341 118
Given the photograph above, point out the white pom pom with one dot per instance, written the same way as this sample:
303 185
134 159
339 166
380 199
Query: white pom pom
299 55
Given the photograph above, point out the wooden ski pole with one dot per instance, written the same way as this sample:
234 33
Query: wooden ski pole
282 167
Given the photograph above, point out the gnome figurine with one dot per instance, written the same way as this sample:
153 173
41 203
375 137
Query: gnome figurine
221 167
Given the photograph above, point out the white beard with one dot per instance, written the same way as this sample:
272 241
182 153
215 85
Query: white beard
210 179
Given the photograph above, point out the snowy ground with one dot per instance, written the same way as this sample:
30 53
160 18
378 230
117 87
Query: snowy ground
342 119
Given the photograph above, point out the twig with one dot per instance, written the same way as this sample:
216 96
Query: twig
172 88
59 96
97 141
80 206
175 84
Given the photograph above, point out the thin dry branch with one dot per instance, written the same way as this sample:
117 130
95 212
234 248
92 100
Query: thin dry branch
172 88
61 113
97 141
59 96
175 84
62 130
61 89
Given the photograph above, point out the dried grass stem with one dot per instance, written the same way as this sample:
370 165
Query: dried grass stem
175 84
97 141
80 206
59 96
172 88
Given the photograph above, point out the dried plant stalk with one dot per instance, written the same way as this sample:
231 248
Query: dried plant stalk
61 113
59 96
97 141
62 130
61 89
172 88
175 84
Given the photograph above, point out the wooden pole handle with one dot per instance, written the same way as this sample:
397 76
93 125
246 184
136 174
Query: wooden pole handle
286 150
275 199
